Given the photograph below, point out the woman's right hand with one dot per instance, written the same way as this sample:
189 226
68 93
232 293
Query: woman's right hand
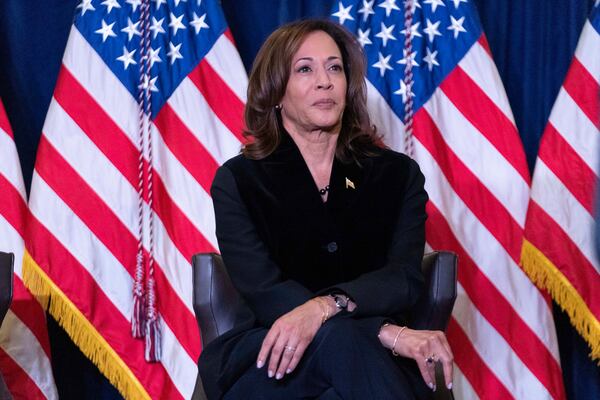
425 347
290 335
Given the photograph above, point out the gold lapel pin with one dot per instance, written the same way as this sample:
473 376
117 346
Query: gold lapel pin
349 184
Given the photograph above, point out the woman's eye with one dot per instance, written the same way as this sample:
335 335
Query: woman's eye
304 69
336 67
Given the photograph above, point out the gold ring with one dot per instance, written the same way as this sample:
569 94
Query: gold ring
289 348
430 359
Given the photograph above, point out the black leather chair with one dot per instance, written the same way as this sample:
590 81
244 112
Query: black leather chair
7 261
215 299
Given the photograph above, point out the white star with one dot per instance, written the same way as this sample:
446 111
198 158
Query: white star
149 84
174 53
154 57
127 57
131 29
86 5
198 23
383 64
159 3
343 13
597 3
456 25
432 30
404 91
176 23
457 3
414 30
430 59
179 1
110 4
434 4
134 4
389 5
386 34
156 27
106 31
363 37
408 57
367 9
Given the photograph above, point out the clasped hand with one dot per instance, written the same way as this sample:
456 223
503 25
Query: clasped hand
289 337
425 347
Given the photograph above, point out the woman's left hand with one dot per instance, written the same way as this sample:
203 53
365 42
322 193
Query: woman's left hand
289 337
425 347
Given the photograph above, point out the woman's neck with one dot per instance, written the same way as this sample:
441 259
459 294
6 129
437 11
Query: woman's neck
318 150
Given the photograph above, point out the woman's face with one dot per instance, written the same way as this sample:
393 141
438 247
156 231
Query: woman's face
315 95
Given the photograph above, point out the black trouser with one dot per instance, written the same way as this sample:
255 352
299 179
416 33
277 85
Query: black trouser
344 361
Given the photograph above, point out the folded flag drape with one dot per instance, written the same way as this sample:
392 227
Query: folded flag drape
24 346
148 103
558 251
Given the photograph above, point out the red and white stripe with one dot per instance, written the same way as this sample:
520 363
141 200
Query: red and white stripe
24 346
560 220
502 331
89 142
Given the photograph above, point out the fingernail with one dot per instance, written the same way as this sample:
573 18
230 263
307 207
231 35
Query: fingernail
279 376
288 371
430 385
434 387
260 364
450 386
270 373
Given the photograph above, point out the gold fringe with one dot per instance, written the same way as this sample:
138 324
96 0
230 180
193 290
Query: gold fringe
81 331
547 276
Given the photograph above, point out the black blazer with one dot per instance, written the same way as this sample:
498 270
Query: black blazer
282 245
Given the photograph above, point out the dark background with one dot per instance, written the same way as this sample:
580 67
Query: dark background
532 42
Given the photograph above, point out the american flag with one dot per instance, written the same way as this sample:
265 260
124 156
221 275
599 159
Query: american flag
82 240
559 252
465 140
24 346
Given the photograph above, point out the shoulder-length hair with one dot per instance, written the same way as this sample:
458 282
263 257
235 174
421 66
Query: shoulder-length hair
268 81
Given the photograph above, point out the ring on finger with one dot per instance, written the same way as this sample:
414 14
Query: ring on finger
430 359
289 348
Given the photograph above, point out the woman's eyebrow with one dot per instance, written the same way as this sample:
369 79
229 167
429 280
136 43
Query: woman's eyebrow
312 59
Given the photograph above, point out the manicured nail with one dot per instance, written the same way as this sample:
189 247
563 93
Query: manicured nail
450 386
434 387
270 374
430 385
288 371
279 376
260 364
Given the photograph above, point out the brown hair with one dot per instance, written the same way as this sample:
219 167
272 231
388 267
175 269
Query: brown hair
268 81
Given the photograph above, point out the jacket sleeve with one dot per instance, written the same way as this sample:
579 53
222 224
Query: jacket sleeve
395 288
254 274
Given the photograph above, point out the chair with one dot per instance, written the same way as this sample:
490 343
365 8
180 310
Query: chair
6 282
6 293
215 299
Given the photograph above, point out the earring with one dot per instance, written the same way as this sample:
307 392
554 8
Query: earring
278 106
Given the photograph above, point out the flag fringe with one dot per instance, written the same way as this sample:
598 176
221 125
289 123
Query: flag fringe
547 276
81 331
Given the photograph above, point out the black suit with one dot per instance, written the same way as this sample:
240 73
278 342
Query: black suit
282 245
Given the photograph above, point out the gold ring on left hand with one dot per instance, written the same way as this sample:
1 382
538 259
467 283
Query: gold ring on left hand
289 348
430 359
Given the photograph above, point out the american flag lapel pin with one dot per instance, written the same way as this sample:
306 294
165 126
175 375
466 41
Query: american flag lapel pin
349 184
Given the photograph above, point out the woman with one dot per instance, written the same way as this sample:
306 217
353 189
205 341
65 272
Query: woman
322 232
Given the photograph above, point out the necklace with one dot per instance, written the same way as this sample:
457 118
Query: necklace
324 191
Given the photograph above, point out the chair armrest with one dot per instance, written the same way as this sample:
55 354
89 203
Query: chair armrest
434 307
215 297
7 261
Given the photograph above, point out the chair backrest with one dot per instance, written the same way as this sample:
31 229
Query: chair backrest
215 298
7 261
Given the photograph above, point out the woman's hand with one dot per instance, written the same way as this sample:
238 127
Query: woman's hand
425 347
291 334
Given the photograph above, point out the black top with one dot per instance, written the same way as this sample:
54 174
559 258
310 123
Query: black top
282 245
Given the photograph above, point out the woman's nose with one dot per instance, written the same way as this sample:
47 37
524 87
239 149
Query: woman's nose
323 80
